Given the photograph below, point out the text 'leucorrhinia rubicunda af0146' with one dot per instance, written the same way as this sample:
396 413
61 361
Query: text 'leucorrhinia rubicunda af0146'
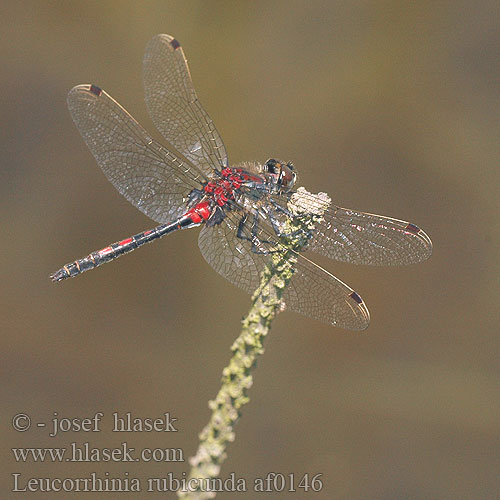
247 211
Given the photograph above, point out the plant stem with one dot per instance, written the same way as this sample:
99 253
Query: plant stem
236 376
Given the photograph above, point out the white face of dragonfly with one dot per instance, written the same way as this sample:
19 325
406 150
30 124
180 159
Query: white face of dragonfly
282 174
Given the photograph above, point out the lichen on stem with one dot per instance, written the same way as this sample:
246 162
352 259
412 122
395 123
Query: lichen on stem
236 376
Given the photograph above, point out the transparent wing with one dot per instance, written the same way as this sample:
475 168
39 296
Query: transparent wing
361 238
150 176
253 167
312 291
174 106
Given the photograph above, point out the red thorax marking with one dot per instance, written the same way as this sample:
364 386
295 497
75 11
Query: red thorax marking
246 177
223 189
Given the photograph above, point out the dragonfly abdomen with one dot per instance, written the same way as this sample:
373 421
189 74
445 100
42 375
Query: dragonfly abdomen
193 217
117 249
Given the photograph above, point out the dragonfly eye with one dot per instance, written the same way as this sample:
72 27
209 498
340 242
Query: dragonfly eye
284 174
272 166
287 177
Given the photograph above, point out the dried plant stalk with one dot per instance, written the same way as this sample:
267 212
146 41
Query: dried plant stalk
236 376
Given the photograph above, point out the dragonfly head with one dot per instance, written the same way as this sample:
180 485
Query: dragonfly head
283 174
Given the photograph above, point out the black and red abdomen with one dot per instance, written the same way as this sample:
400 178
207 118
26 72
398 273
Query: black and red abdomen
199 213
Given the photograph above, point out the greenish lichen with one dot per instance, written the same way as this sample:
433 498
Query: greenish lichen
236 376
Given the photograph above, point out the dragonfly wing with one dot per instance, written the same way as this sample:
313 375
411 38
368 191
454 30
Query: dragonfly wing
150 176
362 238
315 292
312 291
253 167
174 106
229 255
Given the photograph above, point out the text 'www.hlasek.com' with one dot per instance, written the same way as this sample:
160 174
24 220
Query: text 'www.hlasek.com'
82 451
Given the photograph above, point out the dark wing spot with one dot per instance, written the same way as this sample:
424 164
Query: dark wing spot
413 228
95 90
175 44
356 297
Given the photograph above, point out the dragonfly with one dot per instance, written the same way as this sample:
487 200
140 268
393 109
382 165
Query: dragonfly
244 209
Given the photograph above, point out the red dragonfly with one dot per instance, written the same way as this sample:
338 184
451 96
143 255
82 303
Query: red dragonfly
243 209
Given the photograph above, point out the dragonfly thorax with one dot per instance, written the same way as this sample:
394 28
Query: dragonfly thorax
222 189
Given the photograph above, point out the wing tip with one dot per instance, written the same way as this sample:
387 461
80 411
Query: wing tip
86 88
365 319
166 39
428 242
362 316
356 298
94 89
423 239
174 44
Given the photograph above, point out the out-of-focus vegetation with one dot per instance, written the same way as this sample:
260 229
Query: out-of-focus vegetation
390 107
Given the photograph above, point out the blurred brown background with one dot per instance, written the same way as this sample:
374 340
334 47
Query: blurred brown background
391 107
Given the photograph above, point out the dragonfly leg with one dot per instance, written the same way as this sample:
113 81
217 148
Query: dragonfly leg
287 212
281 209
276 226
254 239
